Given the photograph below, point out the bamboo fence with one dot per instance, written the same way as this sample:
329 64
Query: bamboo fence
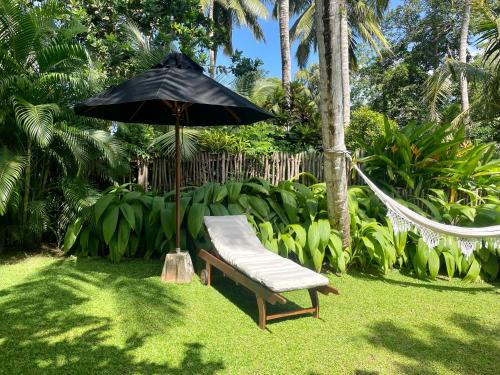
159 173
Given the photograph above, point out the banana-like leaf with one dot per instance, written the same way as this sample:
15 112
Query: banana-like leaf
72 234
233 191
128 214
123 236
449 260
433 263
473 272
102 204
109 223
195 219
167 216
313 236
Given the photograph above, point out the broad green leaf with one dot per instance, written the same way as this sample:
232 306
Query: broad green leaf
473 272
233 191
433 263
195 219
199 194
128 214
317 256
123 236
289 204
300 234
72 234
324 232
109 223
168 220
138 213
218 209
134 244
491 267
449 260
313 236
157 206
235 209
220 193
266 231
102 204
260 206
420 259
84 240
257 188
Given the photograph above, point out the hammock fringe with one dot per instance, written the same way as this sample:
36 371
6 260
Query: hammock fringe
403 220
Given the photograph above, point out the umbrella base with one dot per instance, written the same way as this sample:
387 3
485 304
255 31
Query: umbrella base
178 268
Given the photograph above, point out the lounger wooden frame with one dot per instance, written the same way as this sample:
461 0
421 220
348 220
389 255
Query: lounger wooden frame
262 294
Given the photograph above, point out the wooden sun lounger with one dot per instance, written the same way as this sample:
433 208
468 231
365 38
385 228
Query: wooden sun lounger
262 293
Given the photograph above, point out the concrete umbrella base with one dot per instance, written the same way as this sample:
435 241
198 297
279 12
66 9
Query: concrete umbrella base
178 268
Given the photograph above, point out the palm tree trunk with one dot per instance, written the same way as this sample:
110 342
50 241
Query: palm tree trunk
286 67
212 52
344 46
329 47
464 86
27 185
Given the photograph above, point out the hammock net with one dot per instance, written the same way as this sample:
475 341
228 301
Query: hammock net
432 232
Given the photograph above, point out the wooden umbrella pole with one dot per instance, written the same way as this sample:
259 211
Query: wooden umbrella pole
177 180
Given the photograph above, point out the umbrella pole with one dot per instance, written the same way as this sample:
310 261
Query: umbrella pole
178 267
177 182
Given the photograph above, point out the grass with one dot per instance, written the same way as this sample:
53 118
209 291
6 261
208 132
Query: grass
71 316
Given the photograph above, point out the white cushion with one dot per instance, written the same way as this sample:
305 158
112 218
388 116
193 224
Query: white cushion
235 241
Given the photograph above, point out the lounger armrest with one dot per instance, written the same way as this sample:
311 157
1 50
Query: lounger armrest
327 289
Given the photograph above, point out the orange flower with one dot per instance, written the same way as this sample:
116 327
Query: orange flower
394 148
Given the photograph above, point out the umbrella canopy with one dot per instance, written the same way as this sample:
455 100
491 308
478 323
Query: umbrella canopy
151 96
175 91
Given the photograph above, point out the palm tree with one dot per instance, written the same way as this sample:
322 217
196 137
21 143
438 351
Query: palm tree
328 34
42 71
230 13
360 20
286 67
464 34
486 74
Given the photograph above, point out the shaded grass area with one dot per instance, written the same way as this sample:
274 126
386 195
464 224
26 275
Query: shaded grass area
60 316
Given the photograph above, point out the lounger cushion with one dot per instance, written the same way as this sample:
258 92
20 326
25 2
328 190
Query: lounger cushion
235 241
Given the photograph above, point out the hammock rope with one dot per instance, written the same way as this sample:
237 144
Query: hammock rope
432 232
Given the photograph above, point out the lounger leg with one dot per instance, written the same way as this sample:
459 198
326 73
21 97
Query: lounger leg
313 293
261 303
209 273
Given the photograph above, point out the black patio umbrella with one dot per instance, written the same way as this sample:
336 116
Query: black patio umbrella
173 92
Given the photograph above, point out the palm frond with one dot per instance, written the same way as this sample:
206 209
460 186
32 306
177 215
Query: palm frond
11 170
165 143
35 120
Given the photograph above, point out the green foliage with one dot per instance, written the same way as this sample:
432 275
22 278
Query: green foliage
365 129
421 157
49 157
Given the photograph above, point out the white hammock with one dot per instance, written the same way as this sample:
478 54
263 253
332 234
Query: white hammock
404 219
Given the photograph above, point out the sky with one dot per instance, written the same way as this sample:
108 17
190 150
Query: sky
268 52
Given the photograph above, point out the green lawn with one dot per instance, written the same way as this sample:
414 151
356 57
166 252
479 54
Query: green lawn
88 316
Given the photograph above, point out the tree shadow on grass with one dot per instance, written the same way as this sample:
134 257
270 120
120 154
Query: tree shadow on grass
44 329
431 285
476 353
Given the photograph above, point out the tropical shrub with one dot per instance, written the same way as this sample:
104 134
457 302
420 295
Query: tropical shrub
421 157
289 218
365 128
48 158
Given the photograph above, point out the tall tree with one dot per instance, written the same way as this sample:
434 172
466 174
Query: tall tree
360 20
344 48
328 33
462 57
286 64
228 14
